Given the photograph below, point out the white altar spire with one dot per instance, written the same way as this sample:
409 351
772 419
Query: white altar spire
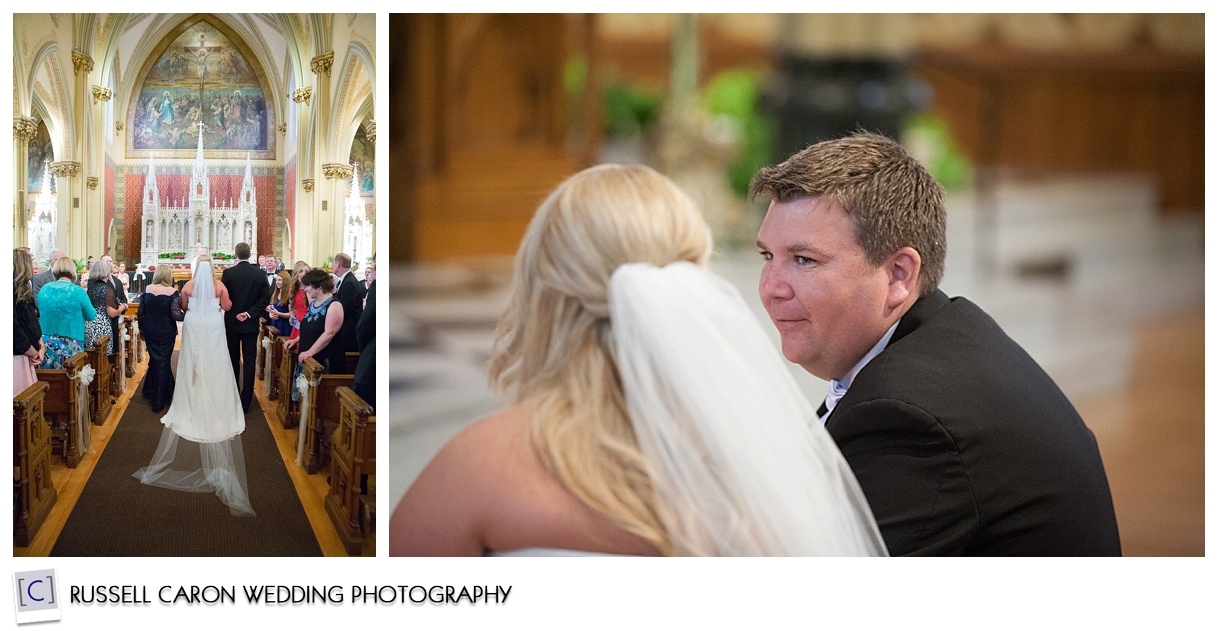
177 229
40 232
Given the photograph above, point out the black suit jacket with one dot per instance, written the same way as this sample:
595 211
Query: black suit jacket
248 290
365 337
120 291
351 295
965 446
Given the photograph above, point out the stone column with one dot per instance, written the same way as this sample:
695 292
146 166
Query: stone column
303 223
95 202
24 130
85 233
70 236
337 178
327 204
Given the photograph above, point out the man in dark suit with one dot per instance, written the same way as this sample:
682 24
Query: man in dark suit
45 276
120 296
960 441
365 335
249 293
351 295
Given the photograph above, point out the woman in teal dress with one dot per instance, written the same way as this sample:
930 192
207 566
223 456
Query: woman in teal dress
63 309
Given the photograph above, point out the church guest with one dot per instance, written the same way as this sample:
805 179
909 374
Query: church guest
105 305
291 307
369 278
276 279
63 309
320 326
351 294
365 335
120 296
48 276
28 350
159 313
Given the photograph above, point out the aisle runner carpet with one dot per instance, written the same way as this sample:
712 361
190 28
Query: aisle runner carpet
118 516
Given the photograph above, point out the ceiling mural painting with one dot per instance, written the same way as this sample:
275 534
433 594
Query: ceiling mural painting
203 81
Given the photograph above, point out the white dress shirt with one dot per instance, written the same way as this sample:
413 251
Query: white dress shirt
837 387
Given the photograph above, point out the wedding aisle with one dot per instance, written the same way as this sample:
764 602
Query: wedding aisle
265 447
118 516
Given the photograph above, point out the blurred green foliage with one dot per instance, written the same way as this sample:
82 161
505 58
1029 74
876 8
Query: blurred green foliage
630 110
736 95
937 150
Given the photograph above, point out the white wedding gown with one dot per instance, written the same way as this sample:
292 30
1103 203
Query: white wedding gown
200 448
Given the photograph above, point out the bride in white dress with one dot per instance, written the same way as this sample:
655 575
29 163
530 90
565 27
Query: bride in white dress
652 413
200 448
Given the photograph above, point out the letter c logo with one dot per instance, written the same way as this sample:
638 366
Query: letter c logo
29 590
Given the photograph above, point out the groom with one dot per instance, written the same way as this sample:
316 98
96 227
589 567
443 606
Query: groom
248 290
960 441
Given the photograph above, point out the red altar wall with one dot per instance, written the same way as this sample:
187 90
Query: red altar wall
176 188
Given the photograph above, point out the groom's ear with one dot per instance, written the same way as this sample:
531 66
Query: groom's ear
903 267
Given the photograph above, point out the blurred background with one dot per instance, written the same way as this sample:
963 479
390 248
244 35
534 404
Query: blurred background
1071 147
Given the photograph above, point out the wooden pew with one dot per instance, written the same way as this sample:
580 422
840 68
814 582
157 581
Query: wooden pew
274 357
99 389
259 352
60 408
131 347
118 367
353 454
321 416
287 410
33 492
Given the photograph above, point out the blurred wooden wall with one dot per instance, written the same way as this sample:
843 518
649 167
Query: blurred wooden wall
481 128
1139 110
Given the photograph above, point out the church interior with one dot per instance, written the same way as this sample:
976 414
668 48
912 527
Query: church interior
1071 147
151 139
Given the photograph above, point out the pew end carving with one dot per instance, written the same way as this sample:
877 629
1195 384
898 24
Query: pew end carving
61 410
33 492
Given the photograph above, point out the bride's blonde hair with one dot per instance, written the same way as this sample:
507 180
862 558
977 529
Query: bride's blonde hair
554 344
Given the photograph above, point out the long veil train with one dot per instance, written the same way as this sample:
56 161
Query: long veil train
200 447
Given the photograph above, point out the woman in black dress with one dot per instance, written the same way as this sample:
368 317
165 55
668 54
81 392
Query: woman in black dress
28 350
323 318
159 313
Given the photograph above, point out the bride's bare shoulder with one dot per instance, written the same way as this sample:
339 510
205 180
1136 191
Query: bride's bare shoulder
445 510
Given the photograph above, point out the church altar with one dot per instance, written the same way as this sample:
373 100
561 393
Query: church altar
174 231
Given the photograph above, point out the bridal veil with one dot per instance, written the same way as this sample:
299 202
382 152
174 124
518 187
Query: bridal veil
737 460
200 447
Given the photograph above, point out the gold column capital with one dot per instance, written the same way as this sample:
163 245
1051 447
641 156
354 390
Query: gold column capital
24 128
308 185
101 94
336 171
302 95
322 63
65 168
283 129
91 182
118 126
81 61
370 128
